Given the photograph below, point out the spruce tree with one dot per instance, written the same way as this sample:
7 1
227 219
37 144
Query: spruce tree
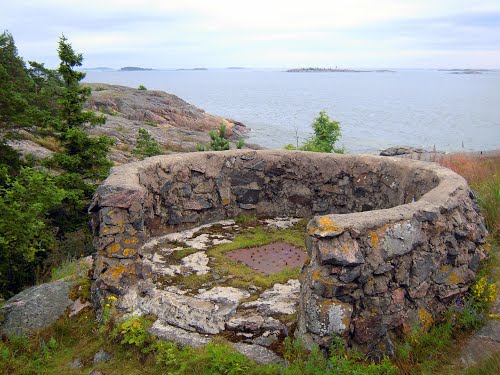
84 157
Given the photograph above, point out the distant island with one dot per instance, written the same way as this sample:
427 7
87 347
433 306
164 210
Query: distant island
193 69
99 69
465 71
133 69
235 67
335 70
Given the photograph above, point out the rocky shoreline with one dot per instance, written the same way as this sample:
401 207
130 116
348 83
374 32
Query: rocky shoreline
177 125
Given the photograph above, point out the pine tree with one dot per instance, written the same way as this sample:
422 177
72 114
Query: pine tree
146 145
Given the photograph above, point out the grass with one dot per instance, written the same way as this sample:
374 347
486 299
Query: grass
151 123
69 269
435 351
48 142
483 176
134 351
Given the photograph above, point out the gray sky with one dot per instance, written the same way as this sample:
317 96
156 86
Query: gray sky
260 33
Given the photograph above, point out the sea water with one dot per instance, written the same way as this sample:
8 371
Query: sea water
423 108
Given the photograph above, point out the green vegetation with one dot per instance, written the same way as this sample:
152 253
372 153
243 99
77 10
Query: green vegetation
219 141
25 230
43 211
151 123
326 133
240 143
146 145
243 276
142 87
134 351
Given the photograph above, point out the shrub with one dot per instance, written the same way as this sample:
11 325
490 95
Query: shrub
142 87
146 145
240 143
25 229
218 139
326 133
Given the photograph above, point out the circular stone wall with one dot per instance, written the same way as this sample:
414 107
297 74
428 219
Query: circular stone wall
391 241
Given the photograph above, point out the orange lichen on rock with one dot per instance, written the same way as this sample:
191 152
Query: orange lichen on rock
128 252
374 239
113 248
117 271
425 318
316 275
454 278
131 241
326 226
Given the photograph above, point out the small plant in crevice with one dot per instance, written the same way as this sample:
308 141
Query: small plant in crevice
146 145
108 314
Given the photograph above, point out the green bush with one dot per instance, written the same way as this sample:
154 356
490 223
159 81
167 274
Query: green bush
326 133
142 87
146 145
218 139
25 228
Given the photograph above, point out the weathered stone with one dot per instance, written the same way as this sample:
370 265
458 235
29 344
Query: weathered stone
246 195
400 239
191 314
280 299
35 308
171 333
369 330
324 226
267 338
245 322
350 274
197 204
423 267
383 268
224 295
77 363
101 356
340 253
328 317
257 353
120 198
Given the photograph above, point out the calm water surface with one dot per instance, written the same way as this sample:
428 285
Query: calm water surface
408 107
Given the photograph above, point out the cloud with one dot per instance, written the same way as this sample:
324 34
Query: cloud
178 33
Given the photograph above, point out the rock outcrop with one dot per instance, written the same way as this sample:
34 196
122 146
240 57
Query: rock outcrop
177 125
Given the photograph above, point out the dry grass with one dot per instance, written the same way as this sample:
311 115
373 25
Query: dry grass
483 175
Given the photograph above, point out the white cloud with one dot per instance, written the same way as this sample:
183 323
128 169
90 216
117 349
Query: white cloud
286 33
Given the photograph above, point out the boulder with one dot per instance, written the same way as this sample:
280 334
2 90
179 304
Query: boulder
35 308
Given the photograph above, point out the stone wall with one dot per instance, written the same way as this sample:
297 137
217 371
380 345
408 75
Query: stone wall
391 241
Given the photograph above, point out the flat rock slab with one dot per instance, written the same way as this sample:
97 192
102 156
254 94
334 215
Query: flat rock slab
270 258
35 308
